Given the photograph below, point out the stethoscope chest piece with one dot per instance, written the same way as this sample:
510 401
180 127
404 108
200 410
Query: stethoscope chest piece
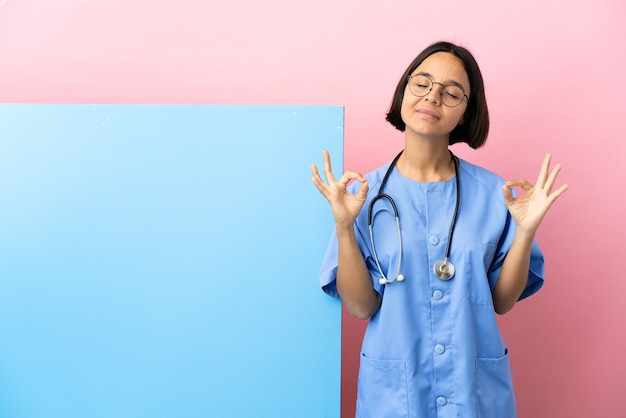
444 269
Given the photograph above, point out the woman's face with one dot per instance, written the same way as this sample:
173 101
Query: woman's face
427 116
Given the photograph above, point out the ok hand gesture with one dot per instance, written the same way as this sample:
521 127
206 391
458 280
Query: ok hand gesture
345 206
528 210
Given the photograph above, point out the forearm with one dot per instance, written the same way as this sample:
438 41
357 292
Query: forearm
354 282
514 273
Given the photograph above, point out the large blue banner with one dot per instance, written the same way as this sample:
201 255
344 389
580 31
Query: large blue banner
162 261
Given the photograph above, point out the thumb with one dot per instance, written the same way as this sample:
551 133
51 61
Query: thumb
363 189
508 194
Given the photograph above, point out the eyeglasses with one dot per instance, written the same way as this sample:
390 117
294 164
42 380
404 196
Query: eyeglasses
451 94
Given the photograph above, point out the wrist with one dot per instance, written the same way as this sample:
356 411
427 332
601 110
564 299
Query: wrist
524 235
346 230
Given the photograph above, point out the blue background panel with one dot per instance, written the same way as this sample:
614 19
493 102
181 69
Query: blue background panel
162 261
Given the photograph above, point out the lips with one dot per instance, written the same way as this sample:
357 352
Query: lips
428 114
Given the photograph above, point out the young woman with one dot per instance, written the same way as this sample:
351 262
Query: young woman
430 247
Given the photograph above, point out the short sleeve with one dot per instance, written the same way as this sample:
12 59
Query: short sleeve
328 271
536 269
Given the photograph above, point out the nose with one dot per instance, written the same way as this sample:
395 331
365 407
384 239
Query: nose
434 95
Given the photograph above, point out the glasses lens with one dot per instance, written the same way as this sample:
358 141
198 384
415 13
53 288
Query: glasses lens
452 96
420 85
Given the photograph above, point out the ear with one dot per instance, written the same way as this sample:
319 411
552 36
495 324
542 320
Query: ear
462 120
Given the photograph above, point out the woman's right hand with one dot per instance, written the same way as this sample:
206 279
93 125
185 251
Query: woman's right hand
345 206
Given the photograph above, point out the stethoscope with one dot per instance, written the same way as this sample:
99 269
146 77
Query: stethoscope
443 269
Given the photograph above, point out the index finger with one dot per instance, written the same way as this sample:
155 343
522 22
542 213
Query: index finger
328 171
543 174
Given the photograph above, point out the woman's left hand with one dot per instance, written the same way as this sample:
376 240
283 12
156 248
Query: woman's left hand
528 210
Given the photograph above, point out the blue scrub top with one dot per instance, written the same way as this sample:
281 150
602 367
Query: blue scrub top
434 349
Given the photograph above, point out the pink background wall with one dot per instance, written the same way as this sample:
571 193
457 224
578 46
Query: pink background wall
554 73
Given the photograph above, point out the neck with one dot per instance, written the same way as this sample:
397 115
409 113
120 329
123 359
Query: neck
426 162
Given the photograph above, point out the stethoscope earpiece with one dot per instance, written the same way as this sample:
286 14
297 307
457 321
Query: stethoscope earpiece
398 278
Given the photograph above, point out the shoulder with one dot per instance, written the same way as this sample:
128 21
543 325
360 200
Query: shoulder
480 177
374 178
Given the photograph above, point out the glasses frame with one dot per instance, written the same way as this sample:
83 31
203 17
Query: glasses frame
432 84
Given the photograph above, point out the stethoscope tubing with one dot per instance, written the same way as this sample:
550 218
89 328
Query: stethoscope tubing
397 276
456 206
